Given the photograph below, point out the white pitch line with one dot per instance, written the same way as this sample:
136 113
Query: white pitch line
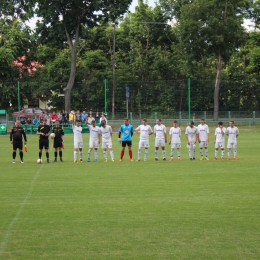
10 228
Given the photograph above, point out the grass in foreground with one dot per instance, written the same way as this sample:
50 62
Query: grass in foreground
145 210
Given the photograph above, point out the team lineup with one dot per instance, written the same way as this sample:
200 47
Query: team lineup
103 134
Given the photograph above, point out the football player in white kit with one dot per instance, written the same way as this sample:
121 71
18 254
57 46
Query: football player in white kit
106 133
219 140
78 141
175 140
160 138
232 133
191 138
145 130
94 139
203 138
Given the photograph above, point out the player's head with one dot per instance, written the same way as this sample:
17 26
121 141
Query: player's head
17 123
103 123
93 123
231 123
191 124
144 121
57 122
202 121
158 121
78 122
45 121
175 123
126 121
220 123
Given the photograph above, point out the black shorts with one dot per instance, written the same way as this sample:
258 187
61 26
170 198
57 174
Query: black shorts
43 143
128 143
57 143
17 145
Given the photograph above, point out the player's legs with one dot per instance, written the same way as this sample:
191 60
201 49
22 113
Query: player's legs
40 148
111 153
123 150
76 149
163 153
14 151
105 153
129 145
141 144
145 153
21 151
46 146
222 153
95 154
157 145
80 154
216 153
91 145
201 145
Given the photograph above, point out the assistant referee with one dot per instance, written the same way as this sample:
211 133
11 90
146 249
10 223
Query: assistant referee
16 138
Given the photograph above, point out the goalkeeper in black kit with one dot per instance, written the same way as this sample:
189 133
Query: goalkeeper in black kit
58 140
16 138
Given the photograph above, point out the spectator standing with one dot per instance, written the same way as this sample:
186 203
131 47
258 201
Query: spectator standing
103 118
84 116
97 117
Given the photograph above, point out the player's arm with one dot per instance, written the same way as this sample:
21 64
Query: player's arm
154 130
207 137
24 137
237 133
170 138
119 135
39 131
11 136
62 135
215 137
165 135
132 131
187 139
150 131
137 129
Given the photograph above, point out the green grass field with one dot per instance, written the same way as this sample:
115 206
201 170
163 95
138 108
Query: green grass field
140 210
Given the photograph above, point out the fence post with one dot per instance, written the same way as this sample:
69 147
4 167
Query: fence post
205 116
180 117
131 117
229 115
155 116
253 117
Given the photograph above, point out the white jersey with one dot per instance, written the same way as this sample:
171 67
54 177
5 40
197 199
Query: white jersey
93 132
191 132
220 138
106 133
77 130
159 131
175 132
145 130
203 131
232 133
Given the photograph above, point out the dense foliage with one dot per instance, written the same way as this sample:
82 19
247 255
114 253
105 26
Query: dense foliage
156 51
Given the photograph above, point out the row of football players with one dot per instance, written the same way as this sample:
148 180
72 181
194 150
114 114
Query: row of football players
193 134
199 134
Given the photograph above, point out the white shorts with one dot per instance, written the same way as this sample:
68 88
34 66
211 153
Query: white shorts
159 142
232 145
143 144
78 145
173 145
203 144
93 143
107 145
191 145
220 145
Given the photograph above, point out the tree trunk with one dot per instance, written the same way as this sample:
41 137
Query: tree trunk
217 85
67 90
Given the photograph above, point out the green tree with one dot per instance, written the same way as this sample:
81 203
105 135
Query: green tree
63 21
211 27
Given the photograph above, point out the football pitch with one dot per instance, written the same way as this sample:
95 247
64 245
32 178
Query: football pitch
130 210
